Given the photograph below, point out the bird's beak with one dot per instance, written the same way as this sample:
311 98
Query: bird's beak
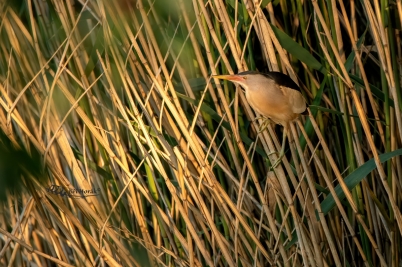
233 78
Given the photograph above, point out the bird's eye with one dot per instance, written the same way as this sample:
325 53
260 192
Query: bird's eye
245 77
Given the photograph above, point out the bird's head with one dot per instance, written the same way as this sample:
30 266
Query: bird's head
249 80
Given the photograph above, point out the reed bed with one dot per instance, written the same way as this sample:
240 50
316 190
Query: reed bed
116 98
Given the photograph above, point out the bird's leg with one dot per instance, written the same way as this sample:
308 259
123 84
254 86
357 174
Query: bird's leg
282 153
264 125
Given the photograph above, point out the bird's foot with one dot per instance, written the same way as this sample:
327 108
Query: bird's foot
264 125
277 162
258 117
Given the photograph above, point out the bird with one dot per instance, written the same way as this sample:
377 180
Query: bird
273 95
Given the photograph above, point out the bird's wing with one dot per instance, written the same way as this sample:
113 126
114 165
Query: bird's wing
295 98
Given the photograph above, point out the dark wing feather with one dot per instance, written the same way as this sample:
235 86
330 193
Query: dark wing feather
282 79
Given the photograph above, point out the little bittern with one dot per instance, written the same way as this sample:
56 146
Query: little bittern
273 95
